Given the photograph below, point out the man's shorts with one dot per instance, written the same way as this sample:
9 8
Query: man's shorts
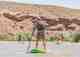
40 35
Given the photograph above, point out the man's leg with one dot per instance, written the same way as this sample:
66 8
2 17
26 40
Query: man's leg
37 43
62 39
44 43
58 40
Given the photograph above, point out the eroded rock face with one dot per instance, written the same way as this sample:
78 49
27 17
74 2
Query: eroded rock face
57 21
10 26
58 24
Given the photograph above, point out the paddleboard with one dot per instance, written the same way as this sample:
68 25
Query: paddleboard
38 50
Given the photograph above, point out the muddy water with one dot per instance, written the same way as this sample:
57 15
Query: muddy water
19 49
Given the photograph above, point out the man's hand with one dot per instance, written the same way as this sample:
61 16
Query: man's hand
32 34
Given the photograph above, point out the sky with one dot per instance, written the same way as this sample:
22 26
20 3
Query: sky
67 3
7 0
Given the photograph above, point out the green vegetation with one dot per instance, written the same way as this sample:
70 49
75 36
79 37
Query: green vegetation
76 37
51 38
6 37
26 36
23 36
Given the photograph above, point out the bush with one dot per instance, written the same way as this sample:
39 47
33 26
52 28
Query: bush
6 37
76 37
23 36
51 38
28 36
68 38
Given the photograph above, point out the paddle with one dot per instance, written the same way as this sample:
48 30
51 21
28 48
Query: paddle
29 43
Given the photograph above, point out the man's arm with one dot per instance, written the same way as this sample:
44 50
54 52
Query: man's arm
33 30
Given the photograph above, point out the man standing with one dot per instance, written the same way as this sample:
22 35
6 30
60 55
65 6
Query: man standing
39 26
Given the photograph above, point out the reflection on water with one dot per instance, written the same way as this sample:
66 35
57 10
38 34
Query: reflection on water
38 55
42 55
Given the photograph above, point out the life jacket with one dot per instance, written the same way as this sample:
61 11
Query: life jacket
40 26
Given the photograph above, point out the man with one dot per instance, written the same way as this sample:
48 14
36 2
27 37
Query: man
39 25
59 38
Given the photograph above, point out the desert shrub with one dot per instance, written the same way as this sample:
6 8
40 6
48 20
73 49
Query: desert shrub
68 38
51 38
23 36
76 37
28 36
6 37
3 37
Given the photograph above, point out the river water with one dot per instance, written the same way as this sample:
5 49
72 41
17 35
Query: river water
19 49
